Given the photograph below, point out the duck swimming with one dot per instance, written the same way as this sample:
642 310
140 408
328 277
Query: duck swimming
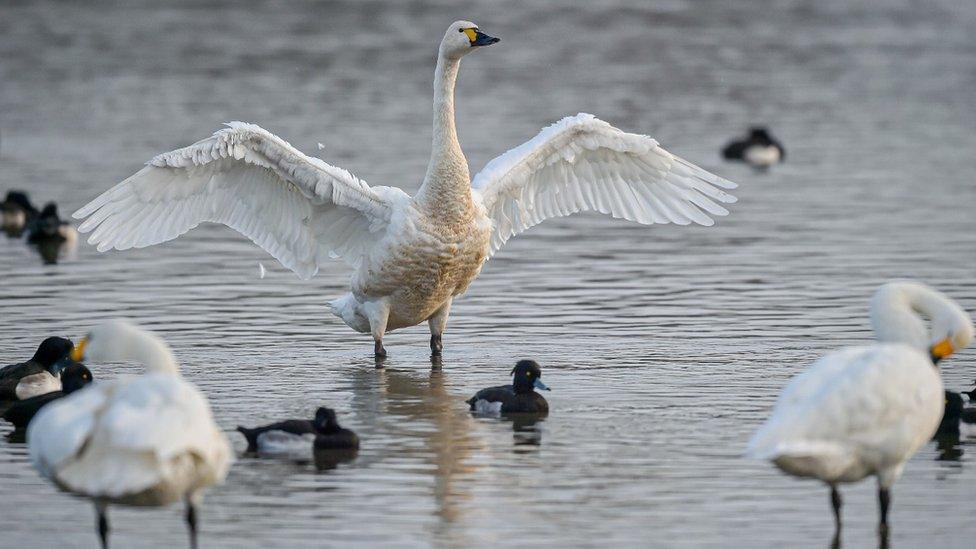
74 376
37 376
321 433
410 256
47 226
16 212
864 411
759 149
518 398
957 420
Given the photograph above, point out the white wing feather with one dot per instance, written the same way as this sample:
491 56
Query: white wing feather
883 398
297 208
582 163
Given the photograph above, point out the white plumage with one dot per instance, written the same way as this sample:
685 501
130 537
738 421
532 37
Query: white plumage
149 440
411 255
865 411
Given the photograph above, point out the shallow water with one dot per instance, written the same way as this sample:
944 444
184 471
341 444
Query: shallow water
664 346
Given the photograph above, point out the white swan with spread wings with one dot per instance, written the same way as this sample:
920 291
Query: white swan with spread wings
411 255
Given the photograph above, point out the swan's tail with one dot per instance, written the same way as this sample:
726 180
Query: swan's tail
252 437
350 311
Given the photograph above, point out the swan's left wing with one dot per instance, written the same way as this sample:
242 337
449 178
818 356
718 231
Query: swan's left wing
582 163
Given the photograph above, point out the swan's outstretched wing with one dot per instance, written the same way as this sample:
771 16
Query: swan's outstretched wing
298 208
582 163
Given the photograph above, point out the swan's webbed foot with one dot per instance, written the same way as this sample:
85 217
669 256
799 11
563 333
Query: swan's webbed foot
436 345
378 350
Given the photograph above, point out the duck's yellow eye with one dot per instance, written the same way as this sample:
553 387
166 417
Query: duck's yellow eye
472 34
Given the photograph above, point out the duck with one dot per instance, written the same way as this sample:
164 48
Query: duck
73 377
518 398
864 411
758 149
284 437
957 420
971 393
411 256
16 212
37 376
148 440
47 226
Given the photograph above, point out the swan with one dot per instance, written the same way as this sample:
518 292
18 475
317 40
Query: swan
411 256
863 411
149 440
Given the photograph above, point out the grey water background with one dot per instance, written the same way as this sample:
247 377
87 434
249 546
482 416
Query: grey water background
665 346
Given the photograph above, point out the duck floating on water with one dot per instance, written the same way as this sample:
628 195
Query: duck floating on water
411 256
16 212
73 377
301 435
518 398
759 149
37 376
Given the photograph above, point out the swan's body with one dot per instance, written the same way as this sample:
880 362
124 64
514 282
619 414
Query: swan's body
410 255
146 441
865 411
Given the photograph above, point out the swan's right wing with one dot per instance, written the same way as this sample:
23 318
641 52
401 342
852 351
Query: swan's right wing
582 163
297 208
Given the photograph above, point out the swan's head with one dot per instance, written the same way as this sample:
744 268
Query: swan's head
462 38
899 311
121 341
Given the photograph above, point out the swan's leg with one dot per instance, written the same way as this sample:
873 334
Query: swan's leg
884 498
836 502
101 509
437 323
191 520
378 312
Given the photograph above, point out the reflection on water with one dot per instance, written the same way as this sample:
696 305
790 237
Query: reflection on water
669 344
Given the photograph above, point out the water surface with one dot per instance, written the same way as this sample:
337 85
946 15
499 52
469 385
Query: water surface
665 346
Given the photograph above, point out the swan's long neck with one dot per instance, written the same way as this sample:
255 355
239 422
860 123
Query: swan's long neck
153 353
447 185
897 312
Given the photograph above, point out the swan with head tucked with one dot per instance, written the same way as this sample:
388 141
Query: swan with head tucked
863 411
145 441
411 256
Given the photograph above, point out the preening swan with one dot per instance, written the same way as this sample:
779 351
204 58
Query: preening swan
410 255
864 411
145 441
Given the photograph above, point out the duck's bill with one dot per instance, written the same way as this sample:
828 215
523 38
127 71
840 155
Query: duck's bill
61 365
78 352
540 385
482 39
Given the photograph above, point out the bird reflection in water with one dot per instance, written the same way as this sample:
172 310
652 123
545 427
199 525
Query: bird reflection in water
327 460
431 426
